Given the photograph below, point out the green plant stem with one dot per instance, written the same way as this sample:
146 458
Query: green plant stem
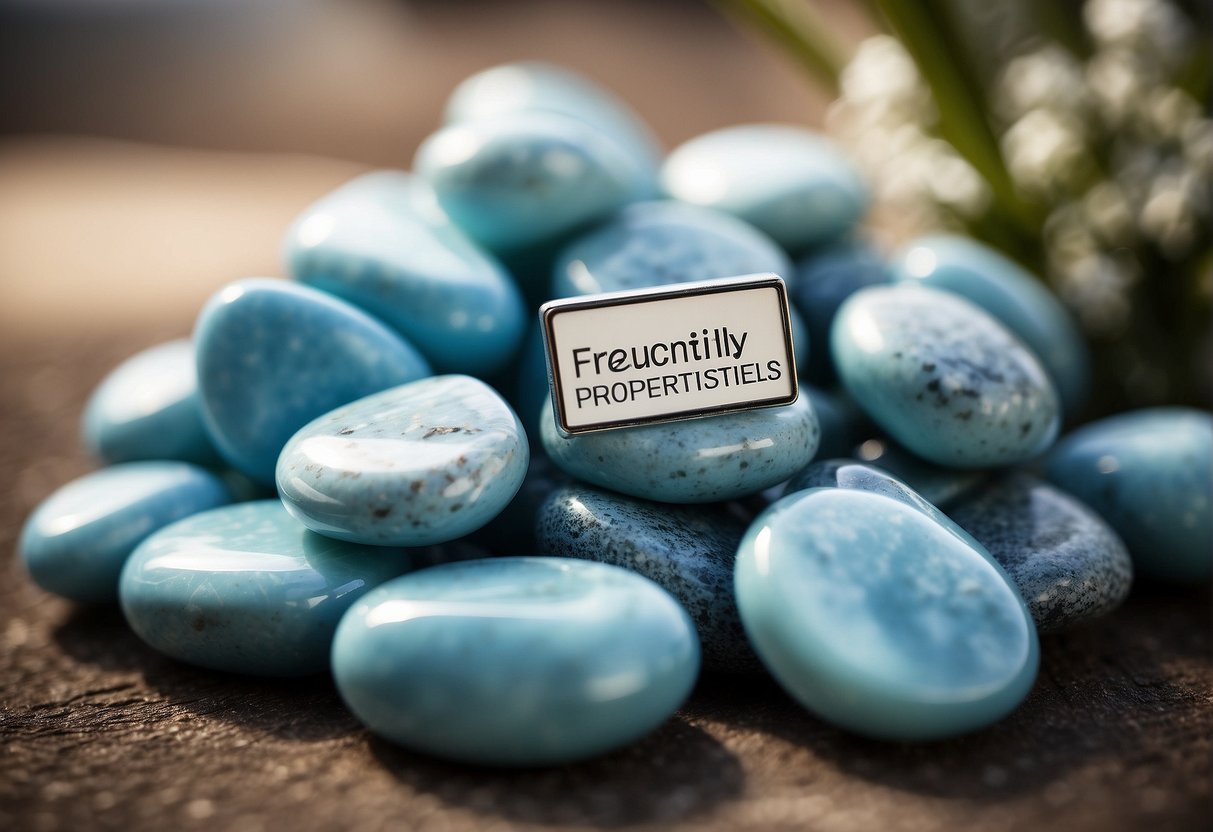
804 35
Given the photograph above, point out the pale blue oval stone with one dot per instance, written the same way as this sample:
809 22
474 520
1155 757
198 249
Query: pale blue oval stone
1149 474
147 408
943 378
1008 292
373 244
790 182
702 460
274 355
880 620
516 661
76 541
422 463
248 589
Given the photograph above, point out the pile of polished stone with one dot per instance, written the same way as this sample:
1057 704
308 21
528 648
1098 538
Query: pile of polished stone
499 594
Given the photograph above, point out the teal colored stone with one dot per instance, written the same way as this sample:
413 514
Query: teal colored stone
1020 301
943 378
274 355
938 485
76 541
880 620
790 182
248 589
147 408
371 243
1149 474
702 460
516 661
525 178
422 463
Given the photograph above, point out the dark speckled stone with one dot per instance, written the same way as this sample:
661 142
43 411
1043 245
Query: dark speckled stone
688 551
1069 565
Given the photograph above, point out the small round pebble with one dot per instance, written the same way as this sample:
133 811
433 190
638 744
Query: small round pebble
76 541
422 463
516 661
880 620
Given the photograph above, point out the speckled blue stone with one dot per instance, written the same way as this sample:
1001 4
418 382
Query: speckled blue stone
703 460
686 550
147 408
943 378
248 589
1149 474
1009 293
523 178
75 542
880 620
938 485
274 355
790 182
422 463
1067 563
516 661
370 243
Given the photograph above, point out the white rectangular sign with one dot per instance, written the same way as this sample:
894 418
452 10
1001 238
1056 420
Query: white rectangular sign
674 352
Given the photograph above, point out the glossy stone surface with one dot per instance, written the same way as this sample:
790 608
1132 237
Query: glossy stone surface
274 355
1004 289
516 661
147 408
701 460
248 589
687 550
1067 563
371 243
75 543
524 178
422 463
945 379
938 485
1149 474
790 182
881 621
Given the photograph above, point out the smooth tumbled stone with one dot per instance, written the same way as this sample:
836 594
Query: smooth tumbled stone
147 408
516 661
1149 474
422 463
938 485
943 377
880 620
1004 289
274 355
524 178
248 589
701 460
369 243
687 550
790 182
76 541
1067 563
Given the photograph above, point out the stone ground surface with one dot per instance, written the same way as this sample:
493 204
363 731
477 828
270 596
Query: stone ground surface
98 732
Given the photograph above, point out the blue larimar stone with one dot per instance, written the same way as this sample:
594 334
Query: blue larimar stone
939 486
879 619
1149 474
75 542
147 408
1068 565
945 379
702 460
790 182
248 589
274 355
516 661
524 178
687 550
422 463
1009 293
371 243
